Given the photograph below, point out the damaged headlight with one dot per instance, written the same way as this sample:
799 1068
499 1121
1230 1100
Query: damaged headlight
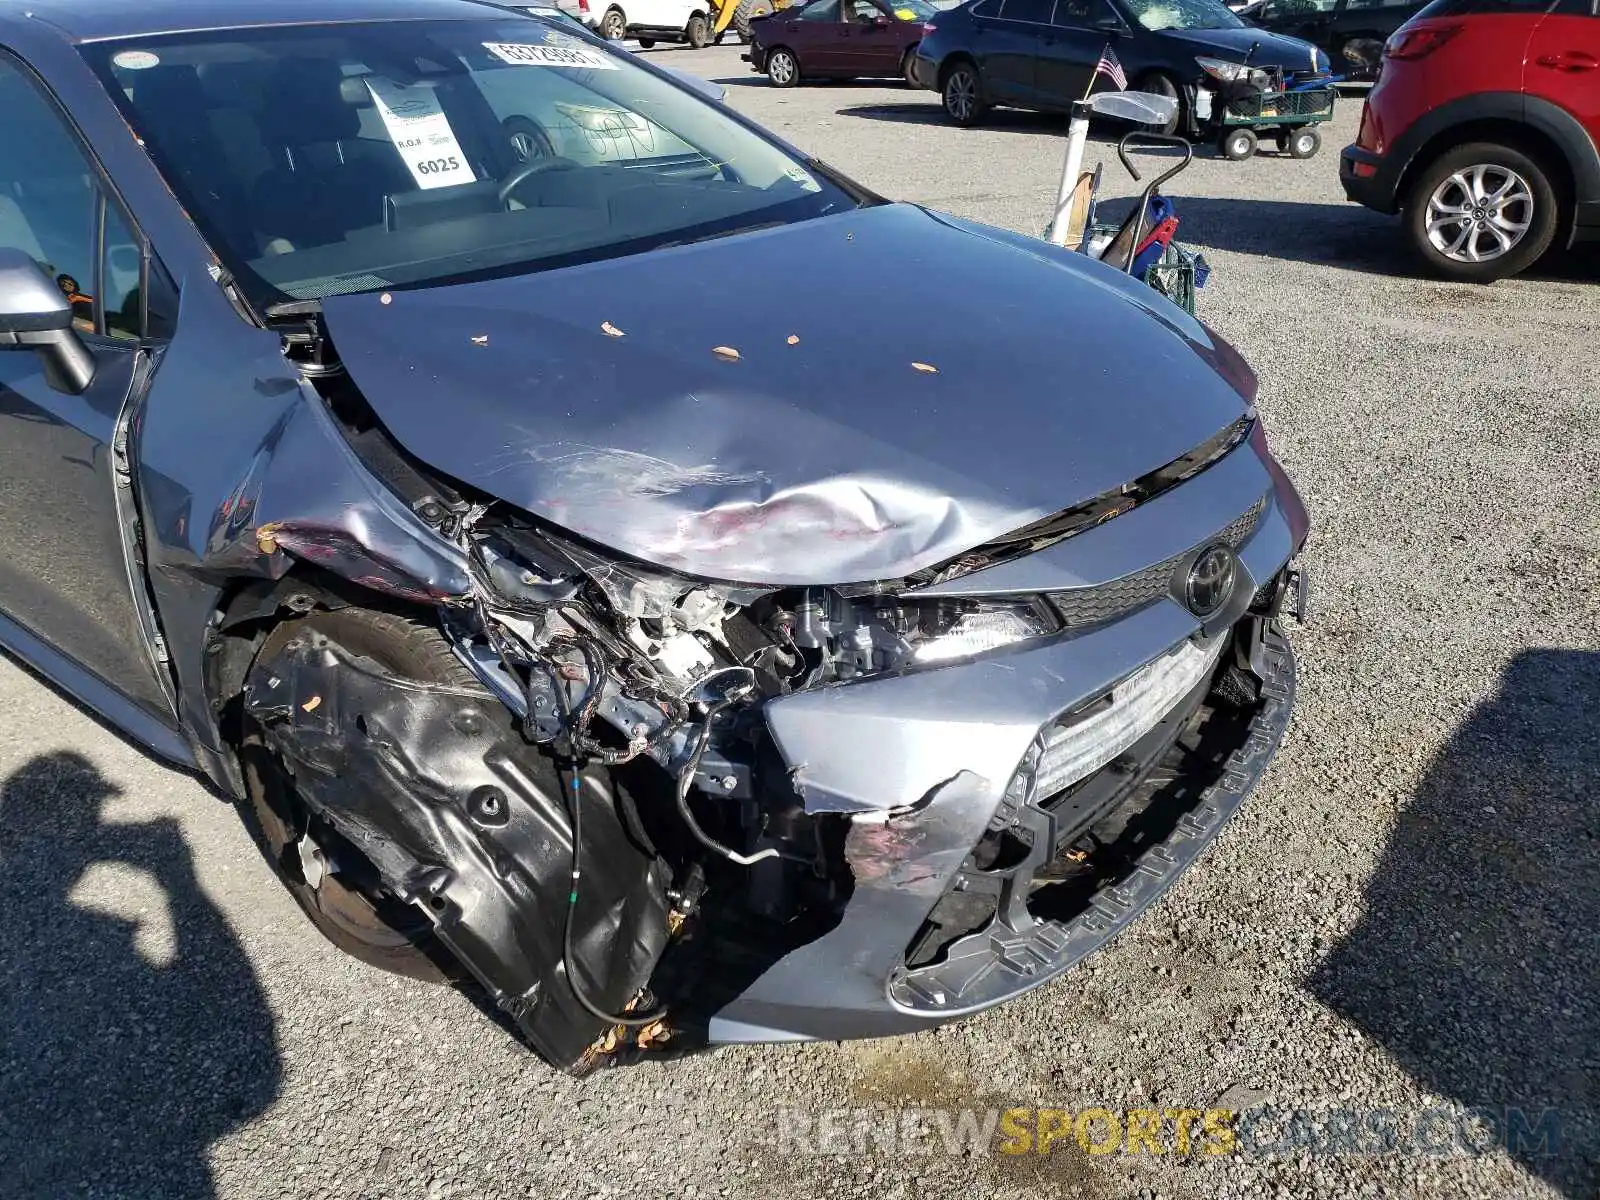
883 633
987 627
1232 72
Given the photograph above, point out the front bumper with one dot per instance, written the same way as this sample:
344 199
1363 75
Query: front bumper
924 765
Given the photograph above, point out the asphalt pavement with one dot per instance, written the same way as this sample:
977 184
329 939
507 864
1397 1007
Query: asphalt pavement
1397 933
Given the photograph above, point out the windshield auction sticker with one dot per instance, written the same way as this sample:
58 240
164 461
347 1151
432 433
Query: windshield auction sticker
578 58
421 132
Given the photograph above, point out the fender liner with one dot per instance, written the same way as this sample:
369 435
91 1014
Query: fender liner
463 818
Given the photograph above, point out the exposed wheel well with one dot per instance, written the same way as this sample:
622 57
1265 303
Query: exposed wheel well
1513 134
250 612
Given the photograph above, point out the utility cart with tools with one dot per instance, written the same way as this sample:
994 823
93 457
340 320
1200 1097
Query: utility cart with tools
1142 245
1246 112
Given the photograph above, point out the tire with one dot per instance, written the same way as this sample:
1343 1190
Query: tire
528 139
1162 85
906 67
1301 143
748 11
1236 145
697 33
646 43
1512 232
783 68
614 25
379 931
961 94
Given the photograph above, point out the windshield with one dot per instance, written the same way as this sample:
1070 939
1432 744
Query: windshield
325 160
1156 15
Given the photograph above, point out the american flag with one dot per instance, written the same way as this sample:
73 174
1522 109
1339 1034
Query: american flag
1111 69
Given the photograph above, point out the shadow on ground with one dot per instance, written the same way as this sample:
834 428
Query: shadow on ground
1336 235
1476 965
135 1033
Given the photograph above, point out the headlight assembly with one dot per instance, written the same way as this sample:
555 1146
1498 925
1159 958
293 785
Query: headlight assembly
1232 72
885 633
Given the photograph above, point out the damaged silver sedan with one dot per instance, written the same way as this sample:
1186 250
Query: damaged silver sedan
663 660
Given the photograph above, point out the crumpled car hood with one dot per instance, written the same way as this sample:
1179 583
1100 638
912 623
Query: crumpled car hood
852 398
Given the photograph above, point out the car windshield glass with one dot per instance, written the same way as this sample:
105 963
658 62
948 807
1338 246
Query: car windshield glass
324 160
1156 15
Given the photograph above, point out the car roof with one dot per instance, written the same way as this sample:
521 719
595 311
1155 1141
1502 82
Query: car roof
98 20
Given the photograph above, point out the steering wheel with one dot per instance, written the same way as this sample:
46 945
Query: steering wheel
527 171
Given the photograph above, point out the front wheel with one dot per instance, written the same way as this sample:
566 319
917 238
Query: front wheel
336 885
1482 212
963 98
782 68
1161 85
1236 145
747 11
613 26
697 33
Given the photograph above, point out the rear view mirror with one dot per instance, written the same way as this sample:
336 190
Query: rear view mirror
36 315
1145 108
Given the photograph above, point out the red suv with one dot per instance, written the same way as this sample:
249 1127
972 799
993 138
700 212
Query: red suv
1481 129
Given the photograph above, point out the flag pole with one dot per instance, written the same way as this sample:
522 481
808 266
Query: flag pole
1095 74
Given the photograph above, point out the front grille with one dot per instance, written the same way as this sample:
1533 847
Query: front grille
1083 608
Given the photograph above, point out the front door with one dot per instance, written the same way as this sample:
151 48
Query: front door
1008 46
1071 50
873 44
1564 62
64 572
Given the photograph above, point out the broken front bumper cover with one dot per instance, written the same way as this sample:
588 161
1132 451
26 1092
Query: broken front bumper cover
996 964
854 981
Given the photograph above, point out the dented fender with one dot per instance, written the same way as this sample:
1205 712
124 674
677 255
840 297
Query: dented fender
235 484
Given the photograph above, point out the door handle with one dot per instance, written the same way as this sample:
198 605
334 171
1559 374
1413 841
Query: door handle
1569 60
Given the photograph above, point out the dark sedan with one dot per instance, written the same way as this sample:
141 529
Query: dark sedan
1041 54
838 39
670 667
1350 32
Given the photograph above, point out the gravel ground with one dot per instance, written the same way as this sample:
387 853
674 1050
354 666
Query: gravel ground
1402 918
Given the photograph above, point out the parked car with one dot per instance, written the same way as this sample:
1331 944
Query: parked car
838 39
665 665
651 21
1350 32
567 16
1041 54
1481 131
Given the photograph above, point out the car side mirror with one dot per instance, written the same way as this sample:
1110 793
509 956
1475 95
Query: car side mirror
36 315
1110 23
881 21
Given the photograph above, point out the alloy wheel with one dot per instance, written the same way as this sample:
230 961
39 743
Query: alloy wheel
1479 213
781 68
961 94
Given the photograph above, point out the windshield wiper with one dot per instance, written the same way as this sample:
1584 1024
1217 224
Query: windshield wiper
721 233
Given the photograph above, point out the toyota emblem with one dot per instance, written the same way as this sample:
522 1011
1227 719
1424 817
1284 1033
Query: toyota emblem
1210 580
